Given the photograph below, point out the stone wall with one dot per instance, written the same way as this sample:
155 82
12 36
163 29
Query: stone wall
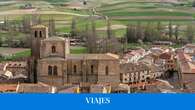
46 49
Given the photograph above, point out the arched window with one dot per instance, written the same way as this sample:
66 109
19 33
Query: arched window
40 33
49 70
53 49
75 69
92 69
35 34
55 71
107 70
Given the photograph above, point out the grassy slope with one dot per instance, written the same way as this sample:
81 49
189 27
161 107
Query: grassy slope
121 8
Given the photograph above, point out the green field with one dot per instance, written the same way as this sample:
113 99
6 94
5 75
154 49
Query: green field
78 50
121 12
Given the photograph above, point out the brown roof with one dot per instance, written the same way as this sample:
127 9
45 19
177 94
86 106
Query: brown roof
190 46
53 59
33 88
93 56
39 26
7 87
166 55
130 67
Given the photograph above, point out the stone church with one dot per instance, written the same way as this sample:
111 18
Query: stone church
52 63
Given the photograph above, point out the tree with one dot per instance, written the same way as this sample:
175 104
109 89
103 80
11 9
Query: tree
26 24
91 40
170 29
109 30
51 27
159 26
176 32
139 32
5 27
131 34
147 33
73 27
88 38
1 41
189 33
159 29
94 35
193 3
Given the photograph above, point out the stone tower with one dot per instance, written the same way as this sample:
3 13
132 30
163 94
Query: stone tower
38 33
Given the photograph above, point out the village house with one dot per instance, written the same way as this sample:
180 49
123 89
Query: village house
164 58
189 49
168 61
17 68
134 73
139 72
13 72
133 55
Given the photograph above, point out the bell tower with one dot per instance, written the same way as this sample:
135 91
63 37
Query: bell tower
38 33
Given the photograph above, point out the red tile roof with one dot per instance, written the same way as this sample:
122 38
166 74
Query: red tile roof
166 55
7 87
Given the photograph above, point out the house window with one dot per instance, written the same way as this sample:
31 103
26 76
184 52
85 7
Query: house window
75 69
49 70
55 71
107 70
53 49
40 33
35 34
92 69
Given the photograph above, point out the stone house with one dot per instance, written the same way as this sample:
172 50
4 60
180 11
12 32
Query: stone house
134 72
189 49
168 61
19 67
133 55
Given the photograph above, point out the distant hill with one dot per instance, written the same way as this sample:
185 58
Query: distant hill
98 0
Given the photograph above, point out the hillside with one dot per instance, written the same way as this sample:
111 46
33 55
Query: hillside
122 12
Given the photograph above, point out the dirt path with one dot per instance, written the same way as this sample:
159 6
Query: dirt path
9 51
114 27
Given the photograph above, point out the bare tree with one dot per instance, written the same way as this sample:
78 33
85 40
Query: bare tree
159 26
94 36
190 33
5 27
109 30
26 22
51 26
